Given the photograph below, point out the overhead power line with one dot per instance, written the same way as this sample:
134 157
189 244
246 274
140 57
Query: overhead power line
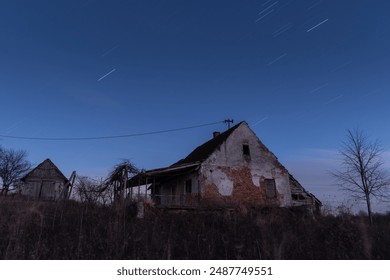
107 137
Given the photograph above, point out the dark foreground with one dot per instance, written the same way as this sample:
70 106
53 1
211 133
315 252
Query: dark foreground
46 230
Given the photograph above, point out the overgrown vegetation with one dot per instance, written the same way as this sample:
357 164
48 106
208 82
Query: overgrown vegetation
70 230
13 165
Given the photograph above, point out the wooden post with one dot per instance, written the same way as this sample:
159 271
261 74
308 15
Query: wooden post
127 178
124 183
70 184
139 185
146 186
199 190
153 194
40 189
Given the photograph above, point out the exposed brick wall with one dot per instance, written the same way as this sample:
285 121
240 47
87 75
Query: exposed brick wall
244 191
211 195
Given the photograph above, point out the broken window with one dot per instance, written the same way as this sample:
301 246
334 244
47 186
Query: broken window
245 150
189 186
270 188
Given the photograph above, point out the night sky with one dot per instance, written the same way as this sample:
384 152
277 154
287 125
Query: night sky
299 72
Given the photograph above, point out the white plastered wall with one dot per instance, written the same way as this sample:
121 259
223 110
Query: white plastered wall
261 163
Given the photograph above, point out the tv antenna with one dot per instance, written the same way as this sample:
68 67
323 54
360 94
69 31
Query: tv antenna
228 122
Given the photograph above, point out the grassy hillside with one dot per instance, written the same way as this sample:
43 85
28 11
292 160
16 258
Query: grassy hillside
70 230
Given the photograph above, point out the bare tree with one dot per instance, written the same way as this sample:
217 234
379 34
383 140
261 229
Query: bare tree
92 191
13 165
362 174
118 178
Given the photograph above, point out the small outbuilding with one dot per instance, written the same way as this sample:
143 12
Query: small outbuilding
46 181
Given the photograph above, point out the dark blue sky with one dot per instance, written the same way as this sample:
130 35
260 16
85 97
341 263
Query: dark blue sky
299 72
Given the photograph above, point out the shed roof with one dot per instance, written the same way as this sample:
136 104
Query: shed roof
43 165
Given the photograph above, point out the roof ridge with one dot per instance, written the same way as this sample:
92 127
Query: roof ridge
51 163
203 151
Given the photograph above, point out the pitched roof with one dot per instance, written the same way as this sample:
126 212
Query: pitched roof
49 163
202 152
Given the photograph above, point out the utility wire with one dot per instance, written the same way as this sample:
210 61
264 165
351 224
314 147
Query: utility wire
107 137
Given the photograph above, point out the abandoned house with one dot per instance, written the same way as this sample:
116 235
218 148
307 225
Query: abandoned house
233 168
46 181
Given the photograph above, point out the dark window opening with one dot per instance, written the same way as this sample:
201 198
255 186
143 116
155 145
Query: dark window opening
298 197
189 186
245 150
270 188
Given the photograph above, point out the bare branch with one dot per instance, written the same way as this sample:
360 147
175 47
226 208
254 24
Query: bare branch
13 165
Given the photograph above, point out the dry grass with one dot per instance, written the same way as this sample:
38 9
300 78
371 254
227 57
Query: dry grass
46 230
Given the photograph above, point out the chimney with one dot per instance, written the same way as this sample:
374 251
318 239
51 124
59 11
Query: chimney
216 133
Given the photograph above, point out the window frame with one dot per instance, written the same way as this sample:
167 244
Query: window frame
270 188
246 150
188 186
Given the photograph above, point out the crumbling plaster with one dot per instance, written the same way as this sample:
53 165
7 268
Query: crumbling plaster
220 168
